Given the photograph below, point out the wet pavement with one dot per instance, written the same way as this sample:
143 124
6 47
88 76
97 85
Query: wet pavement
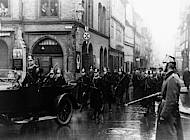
122 124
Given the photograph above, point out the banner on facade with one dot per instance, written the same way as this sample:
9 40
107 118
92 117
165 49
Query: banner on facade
78 62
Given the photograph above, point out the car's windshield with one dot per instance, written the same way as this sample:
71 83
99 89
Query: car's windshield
9 75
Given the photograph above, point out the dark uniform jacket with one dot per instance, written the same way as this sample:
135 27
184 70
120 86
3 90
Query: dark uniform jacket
170 128
186 78
60 81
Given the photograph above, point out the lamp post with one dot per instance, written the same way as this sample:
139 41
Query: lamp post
79 12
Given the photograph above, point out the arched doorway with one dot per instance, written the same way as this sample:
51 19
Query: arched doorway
3 55
48 53
101 59
105 57
85 57
90 51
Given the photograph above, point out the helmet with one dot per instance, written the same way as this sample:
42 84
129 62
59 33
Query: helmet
83 71
169 59
169 62
95 70
30 58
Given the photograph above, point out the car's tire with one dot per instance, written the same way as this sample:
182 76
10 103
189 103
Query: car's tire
64 111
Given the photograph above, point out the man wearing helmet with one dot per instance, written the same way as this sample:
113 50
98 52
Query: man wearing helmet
169 121
32 72
107 88
83 89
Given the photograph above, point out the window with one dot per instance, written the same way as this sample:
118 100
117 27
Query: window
90 13
4 8
49 8
118 33
99 16
112 31
104 20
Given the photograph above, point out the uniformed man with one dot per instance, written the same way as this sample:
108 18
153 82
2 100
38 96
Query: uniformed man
91 73
83 89
49 81
186 77
169 121
120 88
32 72
59 78
96 98
107 88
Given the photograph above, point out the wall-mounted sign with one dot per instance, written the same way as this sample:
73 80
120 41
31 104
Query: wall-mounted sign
17 54
17 64
86 36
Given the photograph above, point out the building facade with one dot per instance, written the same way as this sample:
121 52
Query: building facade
129 39
143 44
117 29
58 33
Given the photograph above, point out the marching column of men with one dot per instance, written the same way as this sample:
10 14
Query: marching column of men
113 88
101 91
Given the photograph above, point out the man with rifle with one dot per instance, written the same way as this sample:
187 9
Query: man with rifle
169 121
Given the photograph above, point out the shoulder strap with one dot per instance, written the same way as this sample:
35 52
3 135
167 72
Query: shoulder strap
172 76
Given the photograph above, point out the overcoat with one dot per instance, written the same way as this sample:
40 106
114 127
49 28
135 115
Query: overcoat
169 128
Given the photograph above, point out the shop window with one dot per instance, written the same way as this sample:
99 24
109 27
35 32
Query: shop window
4 8
49 8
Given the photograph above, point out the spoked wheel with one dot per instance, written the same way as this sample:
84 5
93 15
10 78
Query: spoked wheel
65 111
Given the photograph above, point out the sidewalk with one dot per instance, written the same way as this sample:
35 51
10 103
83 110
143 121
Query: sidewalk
183 109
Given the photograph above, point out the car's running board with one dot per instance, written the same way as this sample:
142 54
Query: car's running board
34 119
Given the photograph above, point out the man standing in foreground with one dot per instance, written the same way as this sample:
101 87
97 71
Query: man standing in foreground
169 121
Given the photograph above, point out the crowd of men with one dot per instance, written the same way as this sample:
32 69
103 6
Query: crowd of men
114 88
100 89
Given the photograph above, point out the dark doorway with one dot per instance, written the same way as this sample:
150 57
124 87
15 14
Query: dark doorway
3 55
48 53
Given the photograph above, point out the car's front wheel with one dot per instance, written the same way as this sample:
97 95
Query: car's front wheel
65 111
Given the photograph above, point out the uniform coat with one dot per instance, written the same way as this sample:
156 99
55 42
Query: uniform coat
186 78
170 128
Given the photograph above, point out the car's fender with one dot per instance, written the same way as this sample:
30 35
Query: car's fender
67 95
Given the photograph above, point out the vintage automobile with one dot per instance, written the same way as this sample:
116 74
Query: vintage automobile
23 103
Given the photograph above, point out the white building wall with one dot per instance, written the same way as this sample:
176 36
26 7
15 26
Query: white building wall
117 23
15 9
118 11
